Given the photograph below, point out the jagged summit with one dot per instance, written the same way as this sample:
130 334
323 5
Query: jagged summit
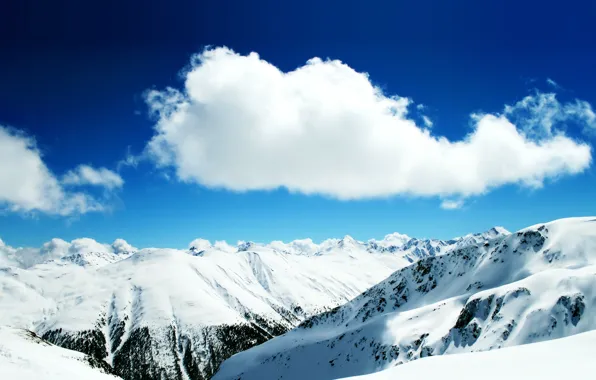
410 248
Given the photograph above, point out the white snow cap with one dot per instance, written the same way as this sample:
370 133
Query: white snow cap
394 239
199 245
86 245
122 246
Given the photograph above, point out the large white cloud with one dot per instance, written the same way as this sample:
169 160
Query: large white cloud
242 124
26 183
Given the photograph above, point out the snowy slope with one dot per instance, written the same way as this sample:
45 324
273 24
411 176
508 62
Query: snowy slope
530 286
24 356
179 313
552 360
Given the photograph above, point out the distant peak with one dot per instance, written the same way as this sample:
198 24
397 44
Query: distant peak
348 241
199 245
498 230
121 246
245 245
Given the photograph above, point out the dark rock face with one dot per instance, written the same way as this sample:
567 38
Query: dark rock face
164 353
574 307
90 342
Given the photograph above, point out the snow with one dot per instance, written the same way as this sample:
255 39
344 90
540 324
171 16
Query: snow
23 356
117 289
531 286
554 359
222 282
58 249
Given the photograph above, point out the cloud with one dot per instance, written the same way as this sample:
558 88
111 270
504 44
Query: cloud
27 185
427 121
129 160
242 124
552 83
542 115
452 204
86 175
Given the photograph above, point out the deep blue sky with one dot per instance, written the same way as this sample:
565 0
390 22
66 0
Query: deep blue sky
73 75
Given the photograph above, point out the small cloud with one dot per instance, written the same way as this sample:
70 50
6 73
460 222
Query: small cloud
129 160
28 186
552 83
540 115
420 107
452 204
87 175
427 121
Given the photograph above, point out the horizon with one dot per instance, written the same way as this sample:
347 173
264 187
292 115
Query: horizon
268 243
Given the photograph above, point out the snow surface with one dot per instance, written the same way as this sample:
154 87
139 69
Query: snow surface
46 291
534 285
570 357
23 356
84 287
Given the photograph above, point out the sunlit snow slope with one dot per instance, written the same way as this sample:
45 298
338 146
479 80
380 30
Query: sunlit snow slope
177 314
534 285
570 357
24 356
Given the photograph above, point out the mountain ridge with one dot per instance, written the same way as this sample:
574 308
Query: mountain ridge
535 284
180 313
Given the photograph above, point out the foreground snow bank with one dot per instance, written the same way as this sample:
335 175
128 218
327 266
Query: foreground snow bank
24 356
570 357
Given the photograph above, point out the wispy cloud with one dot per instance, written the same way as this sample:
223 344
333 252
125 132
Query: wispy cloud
452 204
539 115
87 175
552 83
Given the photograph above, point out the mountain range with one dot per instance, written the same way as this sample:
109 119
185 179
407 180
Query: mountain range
340 308
530 286
153 313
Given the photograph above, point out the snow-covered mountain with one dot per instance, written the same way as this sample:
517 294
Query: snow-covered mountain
82 252
154 313
25 356
551 360
534 285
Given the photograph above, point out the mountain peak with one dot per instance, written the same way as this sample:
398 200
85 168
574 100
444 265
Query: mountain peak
348 241
498 230
199 245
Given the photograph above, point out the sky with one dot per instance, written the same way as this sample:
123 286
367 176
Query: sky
162 122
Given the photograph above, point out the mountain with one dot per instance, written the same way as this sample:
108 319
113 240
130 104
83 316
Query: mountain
23 355
82 252
154 313
550 360
534 285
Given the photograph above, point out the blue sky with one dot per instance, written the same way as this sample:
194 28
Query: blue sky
74 77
